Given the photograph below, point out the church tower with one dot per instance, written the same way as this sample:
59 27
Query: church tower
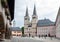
26 22
34 21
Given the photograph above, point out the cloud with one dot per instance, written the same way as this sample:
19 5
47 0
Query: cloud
44 8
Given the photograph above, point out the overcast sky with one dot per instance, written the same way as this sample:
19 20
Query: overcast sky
44 8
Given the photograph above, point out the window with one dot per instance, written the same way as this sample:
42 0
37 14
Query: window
18 31
34 17
14 31
25 18
18 35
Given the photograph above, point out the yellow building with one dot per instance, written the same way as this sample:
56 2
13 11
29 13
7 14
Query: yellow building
16 31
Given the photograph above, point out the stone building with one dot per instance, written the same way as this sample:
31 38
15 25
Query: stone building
5 19
16 31
37 27
58 24
45 27
30 27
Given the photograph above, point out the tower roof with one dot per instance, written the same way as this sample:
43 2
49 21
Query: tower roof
34 11
26 11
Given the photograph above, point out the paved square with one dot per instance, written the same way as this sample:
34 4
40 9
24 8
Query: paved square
30 39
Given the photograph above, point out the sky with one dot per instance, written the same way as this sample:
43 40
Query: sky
44 9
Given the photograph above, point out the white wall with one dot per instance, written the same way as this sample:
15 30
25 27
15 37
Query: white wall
45 30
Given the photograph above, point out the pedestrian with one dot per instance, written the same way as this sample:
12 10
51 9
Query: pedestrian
39 36
51 37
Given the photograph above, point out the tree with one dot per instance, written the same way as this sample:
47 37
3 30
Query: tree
22 31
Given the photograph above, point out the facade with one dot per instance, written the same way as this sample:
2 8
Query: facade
16 31
5 20
45 27
58 24
30 27
38 27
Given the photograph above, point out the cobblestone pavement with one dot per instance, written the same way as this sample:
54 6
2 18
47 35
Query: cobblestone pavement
21 39
30 39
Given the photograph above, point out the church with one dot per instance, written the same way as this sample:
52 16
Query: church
44 27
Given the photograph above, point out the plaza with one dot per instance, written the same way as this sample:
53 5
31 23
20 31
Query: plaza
30 39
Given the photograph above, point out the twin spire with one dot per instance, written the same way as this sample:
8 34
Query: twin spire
34 11
26 11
